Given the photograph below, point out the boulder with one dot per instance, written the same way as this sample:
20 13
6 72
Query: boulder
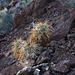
60 16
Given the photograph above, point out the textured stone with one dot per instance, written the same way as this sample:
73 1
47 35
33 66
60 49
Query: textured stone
71 73
1 56
11 70
44 57
46 73
7 62
62 66
18 21
28 12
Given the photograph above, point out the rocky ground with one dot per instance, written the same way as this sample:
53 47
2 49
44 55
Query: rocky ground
57 57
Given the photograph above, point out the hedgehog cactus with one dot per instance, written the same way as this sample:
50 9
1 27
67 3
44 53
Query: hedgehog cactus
23 50
18 44
40 33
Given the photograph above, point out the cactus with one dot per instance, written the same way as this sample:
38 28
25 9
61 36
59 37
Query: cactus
40 34
23 50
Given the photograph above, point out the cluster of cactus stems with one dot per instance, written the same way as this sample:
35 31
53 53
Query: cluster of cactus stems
40 33
24 49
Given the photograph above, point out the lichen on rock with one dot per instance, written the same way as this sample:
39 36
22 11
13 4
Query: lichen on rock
6 20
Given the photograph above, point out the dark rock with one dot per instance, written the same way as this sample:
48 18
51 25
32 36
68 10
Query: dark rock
29 11
3 39
1 56
18 21
52 43
71 73
1 7
8 53
62 66
46 73
33 7
62 47
73 30
2 34
44 68
74 45
44 57
11 70
69 44
71 35
72 63
12 9
62 31
67 2
7 62
63 24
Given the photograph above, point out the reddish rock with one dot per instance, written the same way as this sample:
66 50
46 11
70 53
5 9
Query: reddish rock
33 7
28 12
18 21
1 7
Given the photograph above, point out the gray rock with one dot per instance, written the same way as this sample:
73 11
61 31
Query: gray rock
7 62
46 73
44 57
11 70
67 2
62 66
52 43
6 20
71 73
2 56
